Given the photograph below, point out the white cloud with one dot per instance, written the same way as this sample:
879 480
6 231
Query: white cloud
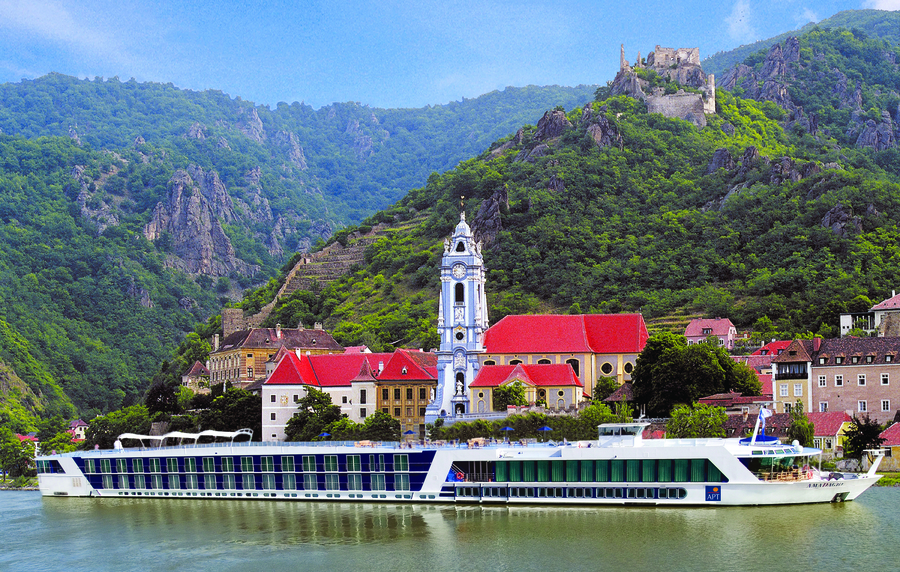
739 23
806 17
52 21
882 4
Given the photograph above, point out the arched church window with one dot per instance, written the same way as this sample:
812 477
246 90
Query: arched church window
544 361
629 368
515 362
575 365
460 247
490 362
460 294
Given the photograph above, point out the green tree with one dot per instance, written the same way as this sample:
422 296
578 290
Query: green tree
235 409
863 434
54 435
16 457
670 372
104 429
510 394
606 386
801 428
314 413
699 420
379 426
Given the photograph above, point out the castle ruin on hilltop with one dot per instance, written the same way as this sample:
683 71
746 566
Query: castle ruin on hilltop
681 65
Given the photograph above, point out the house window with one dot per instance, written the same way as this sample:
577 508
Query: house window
861 379
822 360
385 394
421 412
272 417
838 360
854 359
885 404
868 359
823 407
862 407
344 399
838 380
885 379
397 393
822 382
423 393
397 412
783 390
787 409
362 396
707 331
888 358
798 390
272 398
409 393
362 412
297 398
828 444
409 411
817 442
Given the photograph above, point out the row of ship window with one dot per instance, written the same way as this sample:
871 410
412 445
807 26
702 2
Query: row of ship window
307 463
572 492
250 481
615 470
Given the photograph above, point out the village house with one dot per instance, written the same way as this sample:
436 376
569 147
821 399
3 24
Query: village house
554 384
699 329
400 383
241 358
859 376
828 431
882 318
196 379
891 444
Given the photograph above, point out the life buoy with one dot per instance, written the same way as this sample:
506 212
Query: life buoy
460 476
809 475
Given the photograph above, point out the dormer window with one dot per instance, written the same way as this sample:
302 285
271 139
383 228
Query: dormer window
707 331
403 371
792 352
869 359
838 360
764 352
854 359
888 358
822 360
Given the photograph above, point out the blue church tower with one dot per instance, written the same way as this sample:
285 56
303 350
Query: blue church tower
462 321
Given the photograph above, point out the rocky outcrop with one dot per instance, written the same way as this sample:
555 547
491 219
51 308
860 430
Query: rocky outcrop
532 155
721 159
551 125
783 170
841 222
750 159
250 124
362 144
600 129
190 218
196 131
487 224
93 204
504 147
288 142
878 135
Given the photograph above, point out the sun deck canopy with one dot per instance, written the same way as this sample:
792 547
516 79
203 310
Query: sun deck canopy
194 437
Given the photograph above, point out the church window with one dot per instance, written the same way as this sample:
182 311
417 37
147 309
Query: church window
515 362
606 368
490 362
460 294
575 365
544 361
629 367
460 247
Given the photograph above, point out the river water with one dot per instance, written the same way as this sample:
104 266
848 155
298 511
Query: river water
146 534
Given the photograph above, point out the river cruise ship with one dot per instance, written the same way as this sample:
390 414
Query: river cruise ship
619 468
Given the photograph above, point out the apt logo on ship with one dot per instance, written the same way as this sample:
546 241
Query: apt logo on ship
714 493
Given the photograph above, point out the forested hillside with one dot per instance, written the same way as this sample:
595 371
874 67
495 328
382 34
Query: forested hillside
876 23
129 212
620 210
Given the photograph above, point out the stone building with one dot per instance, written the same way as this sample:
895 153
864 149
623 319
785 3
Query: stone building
241 357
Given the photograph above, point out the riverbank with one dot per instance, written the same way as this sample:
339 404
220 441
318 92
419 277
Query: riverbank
889 480
26 484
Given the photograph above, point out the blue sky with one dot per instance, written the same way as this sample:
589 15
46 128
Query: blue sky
390 53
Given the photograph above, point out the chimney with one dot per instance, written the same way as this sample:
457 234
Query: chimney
817 344
380 367
299 353
278 331
215 342
317 326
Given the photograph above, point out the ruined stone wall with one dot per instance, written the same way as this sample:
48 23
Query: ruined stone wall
665 57
688 106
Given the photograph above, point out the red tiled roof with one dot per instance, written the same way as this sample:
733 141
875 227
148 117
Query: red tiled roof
891 436
773 348
553 375
409 365
27 438
892 303
829 423
197 369
77 423
718 327
625 391
330 370
559 333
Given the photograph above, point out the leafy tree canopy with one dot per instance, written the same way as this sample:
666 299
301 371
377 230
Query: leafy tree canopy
699 420
862 434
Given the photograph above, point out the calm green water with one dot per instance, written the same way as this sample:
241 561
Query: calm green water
139 534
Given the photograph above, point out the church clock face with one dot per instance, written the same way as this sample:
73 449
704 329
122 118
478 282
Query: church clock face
459 271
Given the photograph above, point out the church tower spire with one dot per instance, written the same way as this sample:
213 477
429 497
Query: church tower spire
462 320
